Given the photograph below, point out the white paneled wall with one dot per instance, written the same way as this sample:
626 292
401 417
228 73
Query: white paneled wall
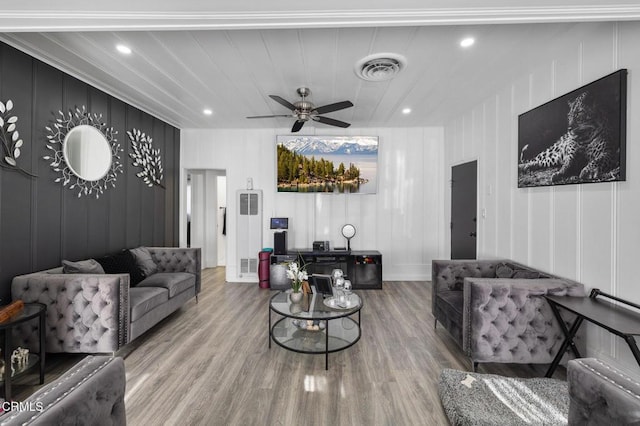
587 232
404 220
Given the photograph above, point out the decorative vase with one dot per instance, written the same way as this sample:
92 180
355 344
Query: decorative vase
296 297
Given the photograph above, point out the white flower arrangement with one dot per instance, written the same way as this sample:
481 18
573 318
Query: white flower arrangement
296 274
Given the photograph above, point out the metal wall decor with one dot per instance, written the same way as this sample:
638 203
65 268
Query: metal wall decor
10 138
146 157
77 148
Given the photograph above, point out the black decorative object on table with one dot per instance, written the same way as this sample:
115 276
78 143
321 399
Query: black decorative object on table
579 137
30 312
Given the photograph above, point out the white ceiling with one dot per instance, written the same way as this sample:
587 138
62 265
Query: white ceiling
192 55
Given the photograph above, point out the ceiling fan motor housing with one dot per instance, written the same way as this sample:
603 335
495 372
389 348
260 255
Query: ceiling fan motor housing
303 110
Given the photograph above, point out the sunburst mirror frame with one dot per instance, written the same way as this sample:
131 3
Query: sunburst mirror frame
55 143
146 157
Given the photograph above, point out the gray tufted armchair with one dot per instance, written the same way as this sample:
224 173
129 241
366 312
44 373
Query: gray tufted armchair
493 319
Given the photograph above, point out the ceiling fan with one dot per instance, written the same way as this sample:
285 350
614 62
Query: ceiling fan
303 110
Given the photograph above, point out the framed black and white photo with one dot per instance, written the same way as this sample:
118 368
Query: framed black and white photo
579 137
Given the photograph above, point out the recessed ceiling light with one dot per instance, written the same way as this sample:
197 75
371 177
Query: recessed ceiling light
406 110
125 50
207 111
467 42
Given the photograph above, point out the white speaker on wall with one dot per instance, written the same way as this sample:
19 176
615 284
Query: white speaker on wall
249 231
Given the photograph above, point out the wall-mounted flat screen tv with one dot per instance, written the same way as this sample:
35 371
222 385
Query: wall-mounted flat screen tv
330 164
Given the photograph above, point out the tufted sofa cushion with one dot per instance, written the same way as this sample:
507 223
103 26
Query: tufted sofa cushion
175 282
144 300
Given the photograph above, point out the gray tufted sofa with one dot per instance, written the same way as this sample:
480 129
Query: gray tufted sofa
499 319
90 393
100 313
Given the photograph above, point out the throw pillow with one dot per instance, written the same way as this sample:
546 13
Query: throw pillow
144 261
122 263
523 273
89 266
504 271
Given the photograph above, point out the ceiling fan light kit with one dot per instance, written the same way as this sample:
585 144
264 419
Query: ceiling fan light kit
304 110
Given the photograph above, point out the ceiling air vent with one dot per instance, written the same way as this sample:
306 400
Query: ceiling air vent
380 66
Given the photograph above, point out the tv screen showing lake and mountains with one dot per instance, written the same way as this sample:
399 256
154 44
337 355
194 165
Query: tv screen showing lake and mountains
330 164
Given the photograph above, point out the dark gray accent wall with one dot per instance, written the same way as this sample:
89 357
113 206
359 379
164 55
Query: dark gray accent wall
42 222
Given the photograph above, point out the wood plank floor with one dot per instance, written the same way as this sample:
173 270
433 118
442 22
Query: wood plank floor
210 364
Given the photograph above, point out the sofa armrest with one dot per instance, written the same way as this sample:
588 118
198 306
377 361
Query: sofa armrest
90 393
600 394
86 313
508 320
174 259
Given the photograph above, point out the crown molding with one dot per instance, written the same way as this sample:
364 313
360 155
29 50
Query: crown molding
43 21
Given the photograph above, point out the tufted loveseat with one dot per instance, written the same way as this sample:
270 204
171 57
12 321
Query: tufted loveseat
100 313
494 319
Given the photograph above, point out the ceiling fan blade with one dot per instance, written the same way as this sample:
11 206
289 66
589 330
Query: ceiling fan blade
285 103
297 126
331 121
269 116
333 107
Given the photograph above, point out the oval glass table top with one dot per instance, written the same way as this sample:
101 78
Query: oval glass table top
87 152
348 231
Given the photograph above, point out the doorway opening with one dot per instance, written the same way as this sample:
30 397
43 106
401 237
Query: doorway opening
206 206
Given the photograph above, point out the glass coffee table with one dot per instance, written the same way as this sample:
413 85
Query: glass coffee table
316 325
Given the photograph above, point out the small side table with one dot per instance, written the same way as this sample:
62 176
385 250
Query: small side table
30 312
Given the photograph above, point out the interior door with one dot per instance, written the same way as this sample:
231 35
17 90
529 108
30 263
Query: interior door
464 207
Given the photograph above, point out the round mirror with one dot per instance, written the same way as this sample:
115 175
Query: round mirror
87 152
348 231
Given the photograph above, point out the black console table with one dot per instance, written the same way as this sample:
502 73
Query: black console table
362 267
596 309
